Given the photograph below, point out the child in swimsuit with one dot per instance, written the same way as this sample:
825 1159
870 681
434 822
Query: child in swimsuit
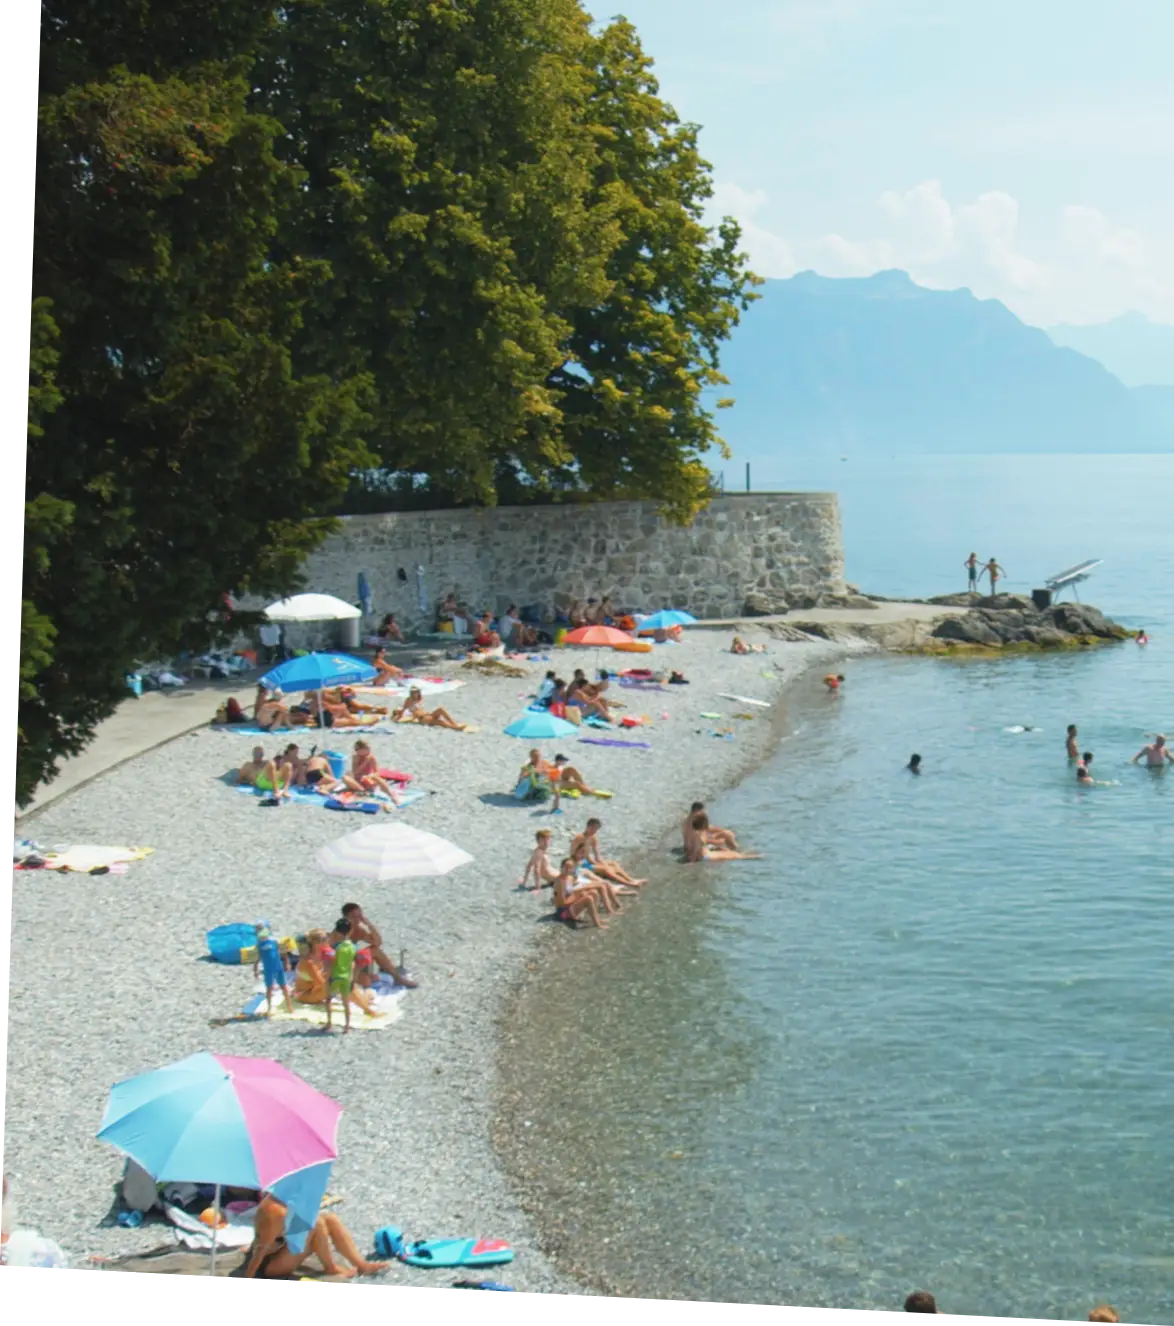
570 903
342 974
273 966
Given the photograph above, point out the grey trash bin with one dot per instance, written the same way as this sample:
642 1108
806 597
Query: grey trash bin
348 633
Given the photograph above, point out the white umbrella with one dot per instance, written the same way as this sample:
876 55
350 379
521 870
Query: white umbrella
311 608
391 851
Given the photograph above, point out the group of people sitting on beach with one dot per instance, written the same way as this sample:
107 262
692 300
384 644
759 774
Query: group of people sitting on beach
490 634
346 962
579 698
291 769
588 884
335 706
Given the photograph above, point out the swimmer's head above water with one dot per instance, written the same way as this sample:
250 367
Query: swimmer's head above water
914 765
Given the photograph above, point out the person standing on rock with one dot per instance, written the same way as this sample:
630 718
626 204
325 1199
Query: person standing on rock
995 571
971 565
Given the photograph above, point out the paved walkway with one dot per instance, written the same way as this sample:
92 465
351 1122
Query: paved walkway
141 725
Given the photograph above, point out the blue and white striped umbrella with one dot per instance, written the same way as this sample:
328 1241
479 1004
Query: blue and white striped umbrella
391 851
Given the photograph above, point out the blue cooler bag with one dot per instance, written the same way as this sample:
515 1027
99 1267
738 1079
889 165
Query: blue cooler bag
226 941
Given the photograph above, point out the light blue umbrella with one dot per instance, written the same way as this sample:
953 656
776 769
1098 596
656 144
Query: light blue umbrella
670 617
540 726
314 672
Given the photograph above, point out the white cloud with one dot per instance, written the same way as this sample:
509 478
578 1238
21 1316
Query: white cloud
1090 268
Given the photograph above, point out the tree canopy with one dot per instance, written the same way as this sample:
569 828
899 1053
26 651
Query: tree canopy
280 244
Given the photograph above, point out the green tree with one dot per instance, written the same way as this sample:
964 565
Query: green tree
637 363
512 222
174 451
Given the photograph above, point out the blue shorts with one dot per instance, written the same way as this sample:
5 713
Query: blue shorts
272 967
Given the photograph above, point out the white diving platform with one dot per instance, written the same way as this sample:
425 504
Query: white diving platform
1072 577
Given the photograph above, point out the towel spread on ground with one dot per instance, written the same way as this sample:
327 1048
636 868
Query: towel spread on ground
252 730
608 741
425 685
306 797
387 997
193 1233
84 857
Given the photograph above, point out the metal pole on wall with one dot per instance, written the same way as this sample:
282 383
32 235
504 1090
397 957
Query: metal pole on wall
747 476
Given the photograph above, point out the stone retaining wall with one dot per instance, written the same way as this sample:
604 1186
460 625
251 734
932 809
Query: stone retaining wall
765 543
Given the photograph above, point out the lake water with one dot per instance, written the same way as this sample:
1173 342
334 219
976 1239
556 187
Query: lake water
926 1043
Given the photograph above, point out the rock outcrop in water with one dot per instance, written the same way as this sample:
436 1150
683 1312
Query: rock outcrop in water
1010 621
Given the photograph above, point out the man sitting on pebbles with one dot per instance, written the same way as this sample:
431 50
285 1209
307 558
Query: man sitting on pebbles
363 934
699 848
265 775
714 837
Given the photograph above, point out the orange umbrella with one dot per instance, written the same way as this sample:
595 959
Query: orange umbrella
598 635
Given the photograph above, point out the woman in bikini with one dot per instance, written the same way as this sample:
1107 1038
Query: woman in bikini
579 697
411 711
365 773
570 902
385 671
271 1257
312 975
269 712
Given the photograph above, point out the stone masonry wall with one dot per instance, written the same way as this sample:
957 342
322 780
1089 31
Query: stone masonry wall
772 543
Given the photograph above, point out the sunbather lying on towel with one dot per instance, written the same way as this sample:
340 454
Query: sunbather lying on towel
411 711
345 697
271 1257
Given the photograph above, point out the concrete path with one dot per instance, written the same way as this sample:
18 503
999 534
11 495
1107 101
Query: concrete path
139 725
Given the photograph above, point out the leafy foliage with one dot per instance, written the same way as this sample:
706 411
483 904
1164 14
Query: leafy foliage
454 243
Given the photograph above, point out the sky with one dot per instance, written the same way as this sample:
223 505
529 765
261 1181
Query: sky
1022 148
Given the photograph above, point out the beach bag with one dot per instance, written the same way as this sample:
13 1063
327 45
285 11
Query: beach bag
225 942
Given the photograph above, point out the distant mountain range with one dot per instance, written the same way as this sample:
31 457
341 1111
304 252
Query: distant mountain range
879 363
1138 351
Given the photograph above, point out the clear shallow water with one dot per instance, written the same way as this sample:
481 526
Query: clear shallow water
927 1041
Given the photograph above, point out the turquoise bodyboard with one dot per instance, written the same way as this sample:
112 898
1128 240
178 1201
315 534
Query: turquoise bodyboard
457 1252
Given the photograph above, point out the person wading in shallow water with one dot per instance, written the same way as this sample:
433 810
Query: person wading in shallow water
1070 745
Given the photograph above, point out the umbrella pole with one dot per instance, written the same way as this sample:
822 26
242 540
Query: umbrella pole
215 1227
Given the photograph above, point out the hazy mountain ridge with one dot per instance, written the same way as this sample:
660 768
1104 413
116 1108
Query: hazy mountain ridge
880 363
1138 351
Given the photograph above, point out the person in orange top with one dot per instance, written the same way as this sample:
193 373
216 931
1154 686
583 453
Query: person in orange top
833 682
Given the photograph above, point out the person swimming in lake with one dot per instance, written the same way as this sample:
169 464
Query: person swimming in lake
833 682
1155 754
700 850
1141 637
914 765
1070 746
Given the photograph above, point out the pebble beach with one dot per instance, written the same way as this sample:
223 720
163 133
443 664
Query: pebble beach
109 975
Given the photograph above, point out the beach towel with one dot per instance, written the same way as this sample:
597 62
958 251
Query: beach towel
387 1005
85 857
610 741
194 1234
398 689
252 730
348 801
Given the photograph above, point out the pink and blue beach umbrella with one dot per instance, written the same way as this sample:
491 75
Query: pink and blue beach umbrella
543 726
666 620
232 1122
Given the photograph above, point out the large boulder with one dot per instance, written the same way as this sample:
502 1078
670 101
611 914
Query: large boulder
968 630
1080 619
760 604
